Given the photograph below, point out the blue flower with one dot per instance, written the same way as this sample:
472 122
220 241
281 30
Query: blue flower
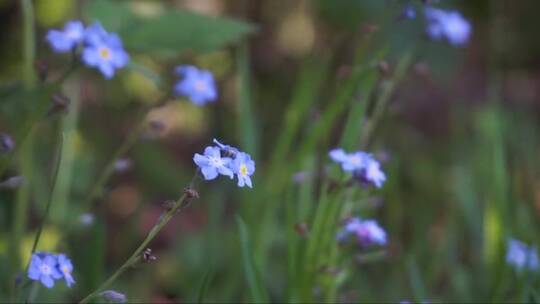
521 256
367 232
67 39
66 268
449 25
212 164
104 51
362 165
408 12
197 84
243 166
43 268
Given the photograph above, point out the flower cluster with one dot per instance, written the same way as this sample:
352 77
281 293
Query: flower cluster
367 232
521 256
101 49
47 267
196 84
449 25
363 166
225 160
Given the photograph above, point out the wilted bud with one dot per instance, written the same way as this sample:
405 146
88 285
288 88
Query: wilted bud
42 69
7 144
148 256
13 182
113 296
191 193
384 68
302 229
60 103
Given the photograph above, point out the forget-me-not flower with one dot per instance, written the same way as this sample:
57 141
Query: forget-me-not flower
449 25
66 268
196 84
521 256
228 150
43 268
67 39
104 50
243 166
367 232
212 164
362 165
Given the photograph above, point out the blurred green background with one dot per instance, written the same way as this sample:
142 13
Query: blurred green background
460 142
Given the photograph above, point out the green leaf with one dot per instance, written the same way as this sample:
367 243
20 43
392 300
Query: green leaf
256 290
174 30
204 285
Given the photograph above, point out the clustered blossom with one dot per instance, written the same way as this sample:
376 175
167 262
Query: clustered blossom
367 232
47 267
196 84
225 160
362 165
101 49
447 25
521 256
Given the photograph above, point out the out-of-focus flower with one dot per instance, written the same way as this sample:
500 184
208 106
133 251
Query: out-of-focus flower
196 84
104 50
408 12
43 268
212 164
66 268
67 39
367 232
113 296
362 165
86 219
243 166
521 256
7 144
13 182
449 25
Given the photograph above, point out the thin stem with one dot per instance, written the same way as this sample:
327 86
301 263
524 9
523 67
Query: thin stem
29 47
127 144
180 204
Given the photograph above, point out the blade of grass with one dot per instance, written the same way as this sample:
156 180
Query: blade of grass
207 279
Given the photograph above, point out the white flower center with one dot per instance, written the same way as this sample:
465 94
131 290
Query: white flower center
216 162
45 269
200 86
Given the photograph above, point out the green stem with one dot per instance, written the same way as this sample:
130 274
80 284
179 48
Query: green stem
181 203
29 47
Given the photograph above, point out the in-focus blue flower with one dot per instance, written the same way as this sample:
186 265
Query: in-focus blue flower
367 232
449 25
43 268
521 256
243 166
362 165
67 39
196 84
212 164
104 50
66 268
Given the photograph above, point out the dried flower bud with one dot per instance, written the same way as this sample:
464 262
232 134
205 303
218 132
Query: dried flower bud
191 193
60 103
169 205
148 256
113 296
7 144
42 69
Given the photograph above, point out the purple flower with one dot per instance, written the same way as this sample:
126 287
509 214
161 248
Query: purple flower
449 25
362 165
196 84
521 256
243 166
66 268
67 39
212 164
367 232
43 268
104 51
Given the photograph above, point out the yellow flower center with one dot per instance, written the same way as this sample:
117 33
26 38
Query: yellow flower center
243 170
65 270
105 53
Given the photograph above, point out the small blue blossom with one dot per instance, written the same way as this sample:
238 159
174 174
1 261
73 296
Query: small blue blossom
104 50
66 268
43 268
521 256
228 150
196 84
367 232
362 165
449 25
67 39
243 166
408 12
212 164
